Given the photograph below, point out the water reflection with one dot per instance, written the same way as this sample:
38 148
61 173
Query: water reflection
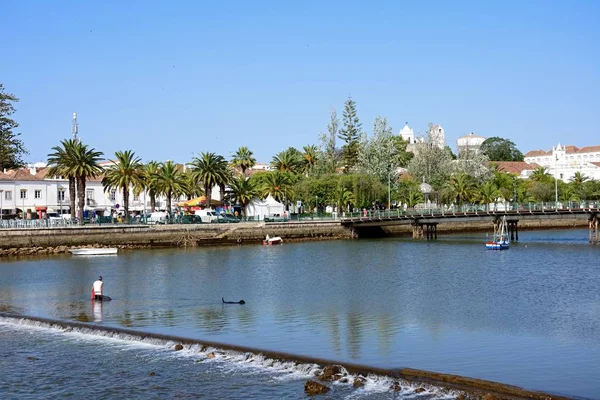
444 305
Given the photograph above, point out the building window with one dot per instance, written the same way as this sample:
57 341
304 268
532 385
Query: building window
61 195
23 193
136 197
561 176
113 195
7 195
37 194
90 194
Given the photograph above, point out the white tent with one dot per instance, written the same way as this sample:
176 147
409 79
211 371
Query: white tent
259 208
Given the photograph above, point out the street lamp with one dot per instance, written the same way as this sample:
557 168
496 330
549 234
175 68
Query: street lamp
60 195
1 193
555 181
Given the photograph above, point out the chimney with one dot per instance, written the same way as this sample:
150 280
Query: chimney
32 169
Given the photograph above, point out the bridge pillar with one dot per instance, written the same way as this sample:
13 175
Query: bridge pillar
513 230
431 231
417 231
594 229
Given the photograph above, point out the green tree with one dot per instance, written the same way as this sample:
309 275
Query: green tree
462 187
289 161
243 191
12 148
278 185
377 154
499 149
150 171
401 156
169 181
343 198
191 186
85 165
541 174
310 158
125 173
488 193
60 164
211 170
412 197
350 134
243 159
431 163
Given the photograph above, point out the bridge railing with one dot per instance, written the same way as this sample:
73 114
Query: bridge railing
499 208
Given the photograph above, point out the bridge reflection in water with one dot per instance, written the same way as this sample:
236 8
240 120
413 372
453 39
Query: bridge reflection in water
424 222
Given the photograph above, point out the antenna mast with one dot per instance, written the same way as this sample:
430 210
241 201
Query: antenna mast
75 128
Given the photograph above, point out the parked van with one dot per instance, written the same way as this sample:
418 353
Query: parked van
207 215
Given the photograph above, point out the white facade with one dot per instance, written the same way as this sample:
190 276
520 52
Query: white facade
407 134
469 143
563 162
28 189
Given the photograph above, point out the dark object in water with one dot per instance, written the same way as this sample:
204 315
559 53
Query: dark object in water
232 302
103 298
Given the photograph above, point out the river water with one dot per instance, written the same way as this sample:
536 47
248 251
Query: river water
529 316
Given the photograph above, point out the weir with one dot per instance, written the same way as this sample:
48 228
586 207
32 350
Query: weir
405 376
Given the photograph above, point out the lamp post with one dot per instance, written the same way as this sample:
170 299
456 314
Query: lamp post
389 191
555 182
60 195
1 193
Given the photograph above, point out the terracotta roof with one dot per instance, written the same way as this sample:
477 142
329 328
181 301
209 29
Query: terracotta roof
571 149
589 149
597 164
515 167
535 153
24 174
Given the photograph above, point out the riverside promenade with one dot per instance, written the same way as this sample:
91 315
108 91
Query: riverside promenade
55 240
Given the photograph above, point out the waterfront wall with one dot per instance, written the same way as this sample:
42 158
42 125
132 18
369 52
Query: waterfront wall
59 240
14 242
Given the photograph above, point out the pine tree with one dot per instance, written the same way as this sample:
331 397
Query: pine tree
12 148
350 134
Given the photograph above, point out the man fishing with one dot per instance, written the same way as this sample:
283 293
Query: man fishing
97 289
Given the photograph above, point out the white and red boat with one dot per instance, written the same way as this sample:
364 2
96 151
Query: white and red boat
269 241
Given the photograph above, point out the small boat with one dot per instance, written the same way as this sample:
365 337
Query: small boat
500 240
90 251
269 241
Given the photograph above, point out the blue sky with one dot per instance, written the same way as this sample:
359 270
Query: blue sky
171 79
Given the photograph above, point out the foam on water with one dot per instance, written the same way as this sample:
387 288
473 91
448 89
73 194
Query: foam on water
230 361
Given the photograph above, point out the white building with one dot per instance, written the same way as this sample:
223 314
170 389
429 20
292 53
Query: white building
29 190
470 143
408 134
438 136
563 162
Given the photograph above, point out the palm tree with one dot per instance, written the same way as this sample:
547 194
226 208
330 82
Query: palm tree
488 193
244 191
243 159
462 187
277 185
579 178
126 172
150 171
286 161
343 197
191 188
540 174
86 165
211 170
413 197
169 181
59 163
310 158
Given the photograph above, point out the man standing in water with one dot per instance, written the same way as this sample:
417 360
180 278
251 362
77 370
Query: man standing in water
97 289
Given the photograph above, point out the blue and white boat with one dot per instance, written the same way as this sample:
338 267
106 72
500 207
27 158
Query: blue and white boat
500 240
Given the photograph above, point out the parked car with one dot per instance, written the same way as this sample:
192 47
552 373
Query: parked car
54 216
228 217
207 215
157 217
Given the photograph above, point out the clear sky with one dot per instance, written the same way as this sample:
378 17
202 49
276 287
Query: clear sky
170 79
